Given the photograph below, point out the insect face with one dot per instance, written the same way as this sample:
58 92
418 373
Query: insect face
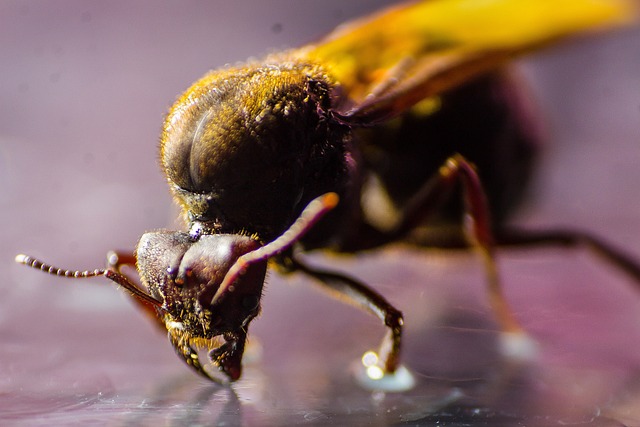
186 274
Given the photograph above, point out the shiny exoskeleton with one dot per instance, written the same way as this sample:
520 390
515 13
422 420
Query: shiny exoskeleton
246 150
368 137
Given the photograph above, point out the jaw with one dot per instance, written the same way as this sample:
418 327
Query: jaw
225 348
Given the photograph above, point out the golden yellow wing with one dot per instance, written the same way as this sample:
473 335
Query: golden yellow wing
387 62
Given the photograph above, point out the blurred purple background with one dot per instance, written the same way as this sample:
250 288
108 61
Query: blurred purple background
84 86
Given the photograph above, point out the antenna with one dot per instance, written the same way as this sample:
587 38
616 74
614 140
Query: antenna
114 276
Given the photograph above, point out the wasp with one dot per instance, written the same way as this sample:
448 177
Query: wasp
386 126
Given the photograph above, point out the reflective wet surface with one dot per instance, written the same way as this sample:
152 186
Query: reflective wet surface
64 364
81 102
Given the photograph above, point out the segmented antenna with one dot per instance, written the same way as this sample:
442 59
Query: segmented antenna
114 276
315 210
50 269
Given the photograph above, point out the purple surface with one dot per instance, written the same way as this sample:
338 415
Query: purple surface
83 88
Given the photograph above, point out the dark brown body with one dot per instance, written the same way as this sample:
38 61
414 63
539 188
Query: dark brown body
245 150
388 127
258 158
251 165
489 121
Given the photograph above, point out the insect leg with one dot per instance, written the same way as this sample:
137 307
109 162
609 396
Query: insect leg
315 210
572 238
365 298
477 225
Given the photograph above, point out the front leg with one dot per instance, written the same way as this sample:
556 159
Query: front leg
360 295
476 226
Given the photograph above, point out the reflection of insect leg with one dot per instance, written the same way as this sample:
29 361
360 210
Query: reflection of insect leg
477 224
572 238
361 296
